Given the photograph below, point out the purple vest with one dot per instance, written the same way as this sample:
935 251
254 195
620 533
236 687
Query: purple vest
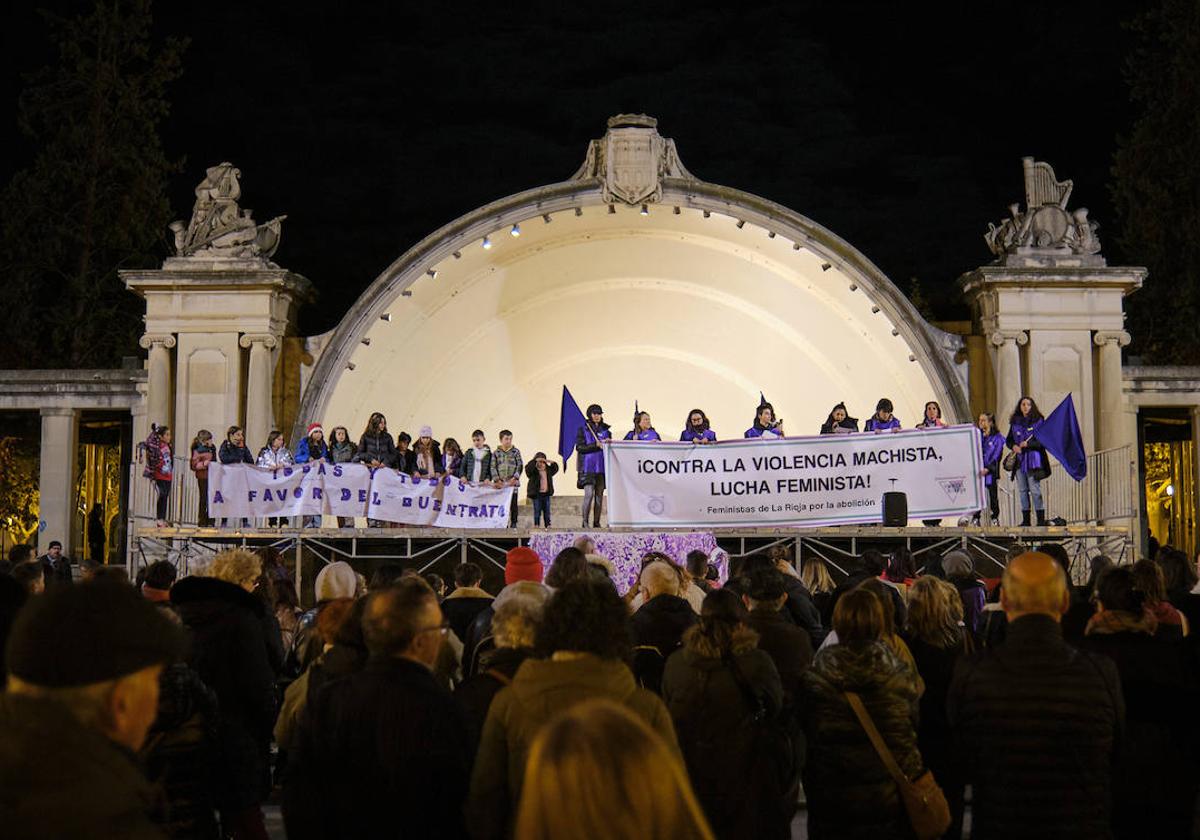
877 425
593 462
687 435
993 448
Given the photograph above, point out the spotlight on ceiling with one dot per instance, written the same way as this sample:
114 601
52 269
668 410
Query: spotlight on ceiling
432 273
349 365
487 242
825 266
386 316
770 234
895 332
578 211
645 211
796 246
367 341
874 310
854 287
612 209
741 224
707 214
676 211
457 255
515 232
406 293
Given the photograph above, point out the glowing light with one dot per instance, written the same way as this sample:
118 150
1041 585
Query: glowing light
487 243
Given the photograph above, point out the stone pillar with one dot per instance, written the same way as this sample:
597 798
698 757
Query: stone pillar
159 407
1110 401
258 388
56 506
1008 371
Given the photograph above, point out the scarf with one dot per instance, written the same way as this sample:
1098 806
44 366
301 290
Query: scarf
1119 621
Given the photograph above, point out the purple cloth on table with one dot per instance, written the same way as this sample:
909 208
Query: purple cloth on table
626 550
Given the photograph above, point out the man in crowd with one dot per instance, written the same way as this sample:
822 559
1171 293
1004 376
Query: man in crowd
659 623
388 745
1037 721
697 567
467 600
788 645
84 664
56 567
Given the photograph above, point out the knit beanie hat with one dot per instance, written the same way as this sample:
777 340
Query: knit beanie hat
314 427
522 563
336 580
89 633
426 431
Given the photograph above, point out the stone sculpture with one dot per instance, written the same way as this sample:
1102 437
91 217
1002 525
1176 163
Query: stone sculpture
631 160
1045 229
219 228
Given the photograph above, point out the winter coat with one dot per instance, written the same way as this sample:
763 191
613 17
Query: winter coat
973 594
230 454
934 737
478 641
658 628
466 469
874 424
435 458
164 469
800 608
1037 723
506 465
406 460
202 456
714 721
378 447
476 693
534 487
690 436
385 747
591 453
993 453
65 780
230 651
1155 775
829 427
850 792
275 458
343 454
789 647
462 605
854 579
1033 457
541 688
451 464
304 455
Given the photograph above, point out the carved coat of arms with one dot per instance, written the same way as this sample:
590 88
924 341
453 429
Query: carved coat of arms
632 161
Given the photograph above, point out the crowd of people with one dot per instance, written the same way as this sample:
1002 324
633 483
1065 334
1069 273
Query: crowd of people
886 701
1027 464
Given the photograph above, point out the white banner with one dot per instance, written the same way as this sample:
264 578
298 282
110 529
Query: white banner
238 491
813 481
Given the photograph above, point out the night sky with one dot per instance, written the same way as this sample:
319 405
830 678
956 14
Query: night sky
898 126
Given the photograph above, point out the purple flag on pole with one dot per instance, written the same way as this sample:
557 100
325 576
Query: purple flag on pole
1060 434
570 421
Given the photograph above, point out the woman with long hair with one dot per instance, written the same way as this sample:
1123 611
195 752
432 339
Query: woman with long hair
376 448
765 423
312 447
202 454
234 451
932 418
273 456
163 471
839 421
993 450
643 428
597 771
814 574
696 429
341 449
1033 464
452 456
716 687
428 454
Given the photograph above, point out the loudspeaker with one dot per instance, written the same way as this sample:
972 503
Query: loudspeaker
895 509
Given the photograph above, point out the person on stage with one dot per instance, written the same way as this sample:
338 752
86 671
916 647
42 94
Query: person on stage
643 429
933 417
993 450
696 429
839 421
589 445
1033 465
428 461
883 420
765 424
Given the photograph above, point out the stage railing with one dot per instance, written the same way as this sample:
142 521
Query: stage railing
1105 494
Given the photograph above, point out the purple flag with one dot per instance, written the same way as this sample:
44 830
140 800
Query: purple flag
570 421
1060 434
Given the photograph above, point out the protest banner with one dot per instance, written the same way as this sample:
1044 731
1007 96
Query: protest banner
238 491
810 481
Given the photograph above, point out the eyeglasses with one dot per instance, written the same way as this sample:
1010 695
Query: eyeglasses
442 628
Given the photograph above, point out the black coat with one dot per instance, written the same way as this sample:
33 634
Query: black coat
1037 723
63 780
850 792
230 651
379 447
478 641
230 454
803 611
854 579
435 453
712 718
476 692
461 608
533 486
934 738
788 646
406 461
386 747
658 628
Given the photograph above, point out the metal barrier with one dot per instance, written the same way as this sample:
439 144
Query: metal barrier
1105 494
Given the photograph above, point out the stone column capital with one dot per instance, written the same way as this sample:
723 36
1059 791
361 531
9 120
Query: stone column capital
998 338
265 339
1120 337
147 341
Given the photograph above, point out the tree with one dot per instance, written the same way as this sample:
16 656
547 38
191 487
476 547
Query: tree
18 488
1157 182
94 199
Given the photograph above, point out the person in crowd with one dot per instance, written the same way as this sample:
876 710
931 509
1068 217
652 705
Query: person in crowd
901 570
437 584
696 564
993 452
691 593
55 566
476 466
799 604
789 646
312 446
883 420
871 564
406 456
29 575
1033 465
465 602
937 640
839 421
13 598
275 456
341 449
452 456
344 650
505 471
1155 777
162 472
330 617
231 651
521 563
597 770
83 688
659 625
601 568
586 638
720 690
585 544
97 532
1149 580
427 455
1037 722
514 629
395 737
891 628
540 488
589 443
960 573
287 612
233 449
1179 576
932 418
643 428
765 424
814 574
568 565
18 554
203 453
376 448
696 429
850 791
156 586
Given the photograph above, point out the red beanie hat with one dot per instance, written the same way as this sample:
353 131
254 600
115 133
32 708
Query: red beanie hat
312 426
522 563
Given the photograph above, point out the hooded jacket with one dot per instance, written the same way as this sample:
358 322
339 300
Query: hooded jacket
377 447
